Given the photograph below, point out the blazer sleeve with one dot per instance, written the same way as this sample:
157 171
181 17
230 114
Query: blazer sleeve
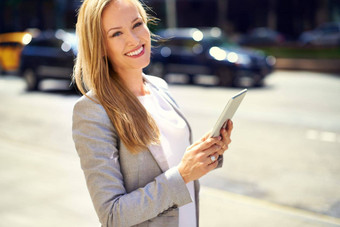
97 145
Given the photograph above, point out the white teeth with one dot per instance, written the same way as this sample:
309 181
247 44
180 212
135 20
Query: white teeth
136 52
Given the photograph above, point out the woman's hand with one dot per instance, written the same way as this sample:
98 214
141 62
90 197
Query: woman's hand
201 157
226 133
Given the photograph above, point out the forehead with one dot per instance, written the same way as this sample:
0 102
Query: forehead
119 11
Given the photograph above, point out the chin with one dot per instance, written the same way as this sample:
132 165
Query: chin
146 63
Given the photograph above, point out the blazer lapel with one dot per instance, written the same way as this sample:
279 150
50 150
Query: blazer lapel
157 150
165 94
159 156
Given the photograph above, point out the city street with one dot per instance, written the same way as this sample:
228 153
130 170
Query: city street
286 139
285 154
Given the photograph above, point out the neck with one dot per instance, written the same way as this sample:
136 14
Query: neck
135 82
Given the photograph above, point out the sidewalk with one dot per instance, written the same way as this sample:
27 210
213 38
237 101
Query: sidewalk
223 209
41 187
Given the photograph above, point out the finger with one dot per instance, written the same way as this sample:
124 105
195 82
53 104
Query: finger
219 148
225 136
212 150
211 158
230 126
204 138
208 143
223 141
212 164
195 143
223 149
227 129
226 133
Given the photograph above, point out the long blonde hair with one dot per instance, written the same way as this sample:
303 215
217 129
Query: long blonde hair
134 126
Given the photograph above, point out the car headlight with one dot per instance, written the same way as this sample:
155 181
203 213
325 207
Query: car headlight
271 60
66 47
240 59
217 53
230 56
26 39
197 35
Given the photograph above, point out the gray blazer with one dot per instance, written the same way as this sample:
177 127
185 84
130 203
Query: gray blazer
126 189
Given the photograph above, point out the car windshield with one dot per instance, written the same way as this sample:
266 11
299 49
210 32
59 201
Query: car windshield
219 42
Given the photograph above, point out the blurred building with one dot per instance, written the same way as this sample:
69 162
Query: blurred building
290 17
18 15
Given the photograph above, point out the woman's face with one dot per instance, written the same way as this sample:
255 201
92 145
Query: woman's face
127 38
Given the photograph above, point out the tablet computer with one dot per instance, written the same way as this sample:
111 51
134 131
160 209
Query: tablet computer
228 112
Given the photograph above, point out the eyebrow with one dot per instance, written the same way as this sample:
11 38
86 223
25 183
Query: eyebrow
114 28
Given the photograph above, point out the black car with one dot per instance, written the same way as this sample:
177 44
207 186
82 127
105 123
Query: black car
50 55
193 51
261 36
327 34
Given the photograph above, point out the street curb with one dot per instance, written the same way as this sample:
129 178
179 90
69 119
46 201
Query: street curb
262 204
321 65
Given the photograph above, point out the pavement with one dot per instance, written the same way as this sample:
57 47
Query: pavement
42 184
44 187
221 208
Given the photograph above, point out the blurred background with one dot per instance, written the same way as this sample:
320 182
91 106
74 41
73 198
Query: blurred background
283 166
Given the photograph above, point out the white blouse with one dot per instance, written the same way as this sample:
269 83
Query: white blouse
174 137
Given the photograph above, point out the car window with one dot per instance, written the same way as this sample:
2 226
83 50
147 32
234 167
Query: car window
329 28
184 46
217 42
55 43
10 44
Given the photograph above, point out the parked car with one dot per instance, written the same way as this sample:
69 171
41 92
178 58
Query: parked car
50 55
325 34
11 45
262 36
193 51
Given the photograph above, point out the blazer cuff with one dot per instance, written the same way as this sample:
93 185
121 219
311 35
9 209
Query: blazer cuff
179 190
220 161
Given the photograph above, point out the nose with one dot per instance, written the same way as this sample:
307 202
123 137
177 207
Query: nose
133 38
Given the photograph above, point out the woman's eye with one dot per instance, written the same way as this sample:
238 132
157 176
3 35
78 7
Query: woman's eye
137 24
116 34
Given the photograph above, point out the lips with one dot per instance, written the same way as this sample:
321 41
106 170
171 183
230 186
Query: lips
137 52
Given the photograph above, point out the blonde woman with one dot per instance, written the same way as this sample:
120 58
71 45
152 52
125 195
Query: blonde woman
133 142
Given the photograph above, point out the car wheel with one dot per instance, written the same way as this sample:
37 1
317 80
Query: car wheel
244 81
191 79
2 71
32 80
225 77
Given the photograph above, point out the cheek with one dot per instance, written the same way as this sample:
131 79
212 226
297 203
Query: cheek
147 41
113 48
145 33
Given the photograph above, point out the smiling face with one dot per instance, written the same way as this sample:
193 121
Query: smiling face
127 37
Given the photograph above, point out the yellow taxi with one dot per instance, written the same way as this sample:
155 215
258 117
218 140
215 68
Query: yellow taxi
11 45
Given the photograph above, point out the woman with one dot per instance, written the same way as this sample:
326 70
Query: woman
134 144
